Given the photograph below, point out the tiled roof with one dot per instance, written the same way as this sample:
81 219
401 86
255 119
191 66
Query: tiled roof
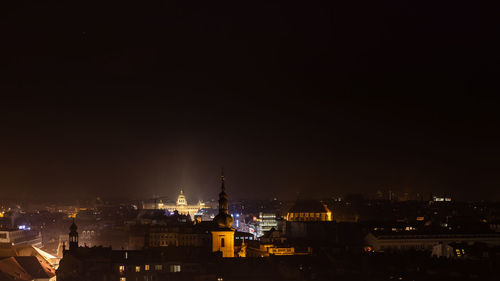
34 268
308 206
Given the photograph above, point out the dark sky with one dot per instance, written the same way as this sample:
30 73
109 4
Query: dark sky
318 97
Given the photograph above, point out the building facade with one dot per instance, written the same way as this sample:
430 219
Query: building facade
182 235
266 222
182 206
390 242
309 210
20 237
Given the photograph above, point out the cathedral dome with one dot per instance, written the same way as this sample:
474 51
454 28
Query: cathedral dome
181 200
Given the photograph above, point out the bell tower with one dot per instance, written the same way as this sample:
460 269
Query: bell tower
73 236
223 234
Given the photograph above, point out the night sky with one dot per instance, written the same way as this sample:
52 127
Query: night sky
321 98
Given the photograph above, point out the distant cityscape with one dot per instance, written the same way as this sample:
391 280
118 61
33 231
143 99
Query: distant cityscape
304 239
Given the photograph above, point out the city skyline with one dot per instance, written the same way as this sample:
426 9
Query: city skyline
249 141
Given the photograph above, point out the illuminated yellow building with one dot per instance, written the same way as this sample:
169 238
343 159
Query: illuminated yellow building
275 243
182 206
223 241
309 210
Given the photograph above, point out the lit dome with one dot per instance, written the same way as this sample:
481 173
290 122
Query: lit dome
181 200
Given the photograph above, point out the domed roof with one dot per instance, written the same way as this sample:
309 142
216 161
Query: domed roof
181 199
223 220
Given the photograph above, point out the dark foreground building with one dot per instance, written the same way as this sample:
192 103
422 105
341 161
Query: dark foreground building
168 263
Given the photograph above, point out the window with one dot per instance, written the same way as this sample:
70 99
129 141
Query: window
123 279
175 268
146 267
222 242
121 268
158 267
137 269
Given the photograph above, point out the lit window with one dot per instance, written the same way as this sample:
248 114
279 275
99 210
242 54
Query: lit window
137 269
175 268
146 267
121 268
123 279
158 267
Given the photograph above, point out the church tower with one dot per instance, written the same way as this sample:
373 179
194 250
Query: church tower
223 234
73 236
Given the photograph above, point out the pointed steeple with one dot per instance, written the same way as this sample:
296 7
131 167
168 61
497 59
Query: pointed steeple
73 227
223 219
223 202
223 186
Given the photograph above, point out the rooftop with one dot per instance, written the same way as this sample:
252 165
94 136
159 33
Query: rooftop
308 206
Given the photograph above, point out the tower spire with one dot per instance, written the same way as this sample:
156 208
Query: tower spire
223 233
223 186
223 219
223 202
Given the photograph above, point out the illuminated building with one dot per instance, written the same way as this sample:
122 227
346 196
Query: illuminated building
259 250
266 222
309 210
452 250
223 234
12 237
441 199
274 243
182 206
